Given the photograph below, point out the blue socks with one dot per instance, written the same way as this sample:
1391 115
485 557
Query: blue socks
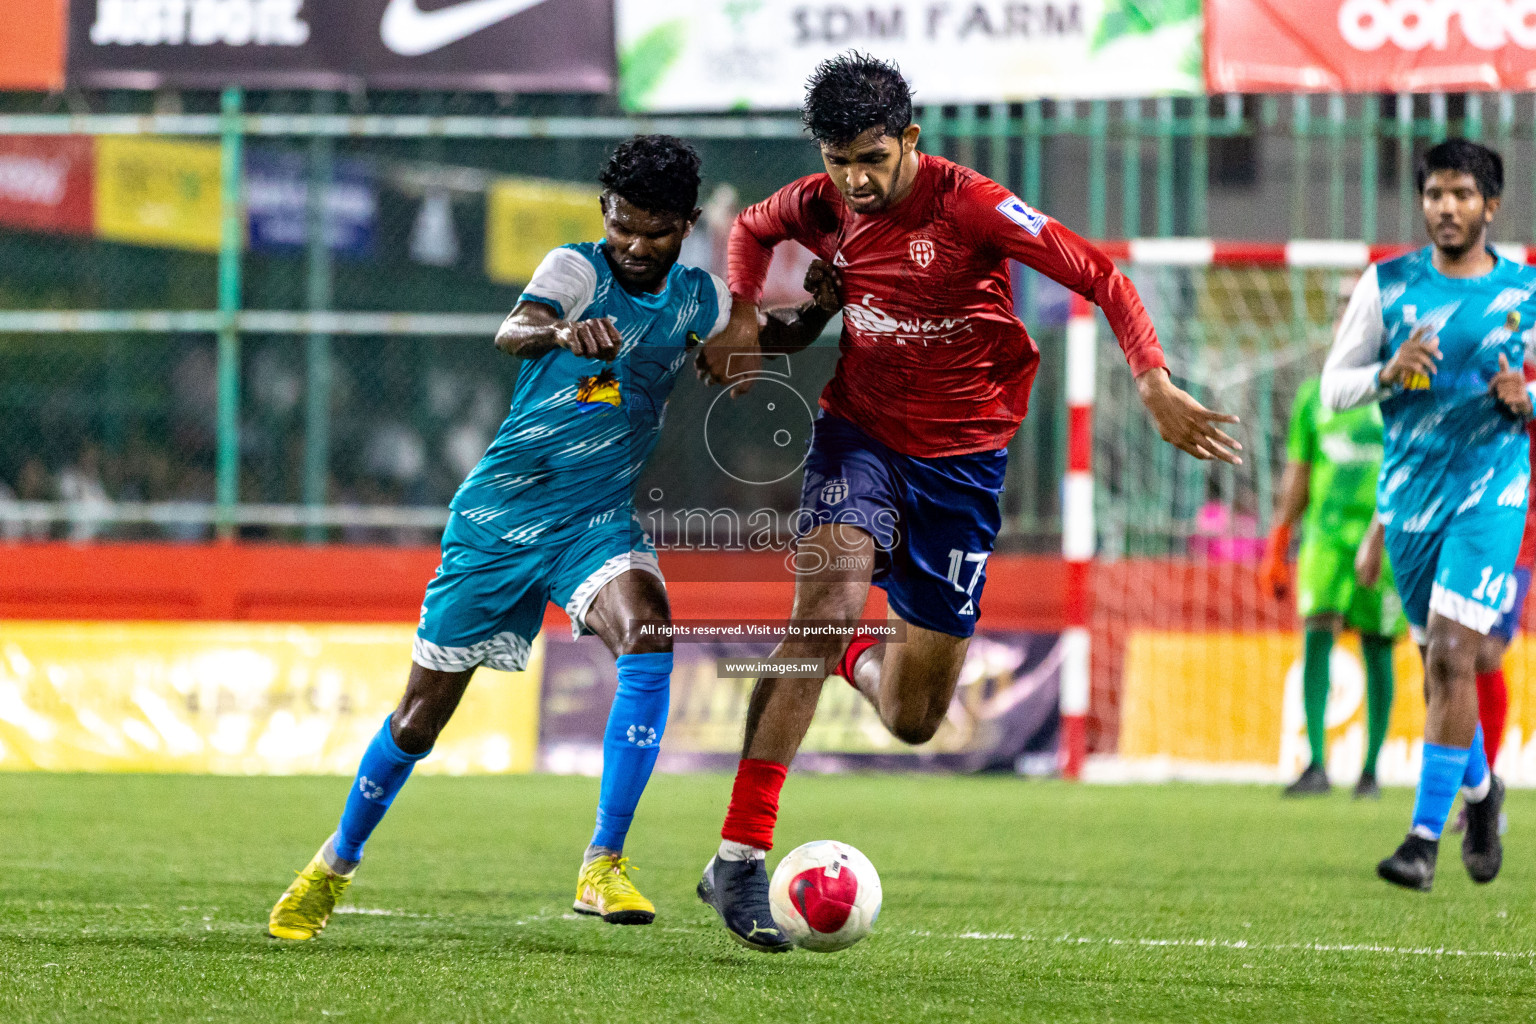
631 742
1440 777
1477 767
383 770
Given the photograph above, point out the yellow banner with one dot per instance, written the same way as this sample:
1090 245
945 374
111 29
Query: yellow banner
525 218
1235 699
237 698
162 192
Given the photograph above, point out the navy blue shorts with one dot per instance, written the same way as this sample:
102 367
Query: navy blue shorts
1514 606
934 521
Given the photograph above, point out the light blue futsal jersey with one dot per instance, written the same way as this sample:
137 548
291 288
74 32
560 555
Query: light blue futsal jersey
547 513
1456 472
580 430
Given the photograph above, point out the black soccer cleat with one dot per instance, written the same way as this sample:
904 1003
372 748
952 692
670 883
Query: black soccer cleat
1412 866
1367 788
1482 851
1313 782
738 890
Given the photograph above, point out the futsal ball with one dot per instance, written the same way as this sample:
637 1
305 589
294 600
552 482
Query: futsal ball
825 895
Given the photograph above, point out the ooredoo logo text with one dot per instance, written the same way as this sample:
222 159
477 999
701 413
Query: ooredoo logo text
1428 24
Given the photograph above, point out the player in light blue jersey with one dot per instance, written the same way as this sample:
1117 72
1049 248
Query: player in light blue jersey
603 329
1438 338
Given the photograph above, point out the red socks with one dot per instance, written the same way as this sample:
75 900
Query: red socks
1492 710
755 795
860 643
754 803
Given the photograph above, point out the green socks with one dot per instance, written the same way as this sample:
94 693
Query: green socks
1378 694
1314 691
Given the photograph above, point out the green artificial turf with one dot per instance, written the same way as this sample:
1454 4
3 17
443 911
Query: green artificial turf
144 898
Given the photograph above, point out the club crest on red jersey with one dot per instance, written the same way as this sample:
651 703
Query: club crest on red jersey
921 251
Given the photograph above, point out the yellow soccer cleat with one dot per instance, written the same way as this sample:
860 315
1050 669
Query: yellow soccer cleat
306 905
603 889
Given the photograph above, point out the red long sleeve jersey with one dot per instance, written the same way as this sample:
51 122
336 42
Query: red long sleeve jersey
933 361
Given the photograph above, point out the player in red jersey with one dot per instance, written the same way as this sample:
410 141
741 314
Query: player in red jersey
906 459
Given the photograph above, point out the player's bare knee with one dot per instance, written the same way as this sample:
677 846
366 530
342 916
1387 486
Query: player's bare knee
1329 621
414 727
1490 655
639 637
917 729
1449 661
838 604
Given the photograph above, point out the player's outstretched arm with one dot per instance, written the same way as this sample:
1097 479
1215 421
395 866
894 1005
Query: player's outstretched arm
1012 229
533 329
1184 422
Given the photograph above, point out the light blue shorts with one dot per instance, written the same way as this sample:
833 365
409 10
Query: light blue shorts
1463 571
486 603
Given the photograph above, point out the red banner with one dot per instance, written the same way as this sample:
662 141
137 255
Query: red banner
1369 45
45 183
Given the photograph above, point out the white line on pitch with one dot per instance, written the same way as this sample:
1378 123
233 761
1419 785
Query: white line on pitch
1313 947
347 908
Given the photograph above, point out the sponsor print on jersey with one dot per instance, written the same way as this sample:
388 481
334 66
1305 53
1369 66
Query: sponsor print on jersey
921 251
1022 214
597 391
869 318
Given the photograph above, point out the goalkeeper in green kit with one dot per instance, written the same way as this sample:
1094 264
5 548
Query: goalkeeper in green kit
1333 460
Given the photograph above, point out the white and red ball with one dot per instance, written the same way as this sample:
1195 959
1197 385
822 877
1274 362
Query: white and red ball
825 895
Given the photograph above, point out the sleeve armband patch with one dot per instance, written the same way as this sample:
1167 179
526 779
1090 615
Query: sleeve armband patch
1022 214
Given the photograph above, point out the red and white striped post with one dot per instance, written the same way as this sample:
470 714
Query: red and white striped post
1077 538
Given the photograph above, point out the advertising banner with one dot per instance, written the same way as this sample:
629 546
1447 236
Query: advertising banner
509 45
32 44
161 192
1003 717
527 217
46 183
679 55
1370 45
277 203
236 698
1230 700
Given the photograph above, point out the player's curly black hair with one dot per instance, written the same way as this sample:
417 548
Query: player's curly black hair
851 93
1485 166
658 173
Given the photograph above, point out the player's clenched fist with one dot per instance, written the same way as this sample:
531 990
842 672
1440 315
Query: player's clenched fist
1184 422
825 283
591 339
1414 362
1508 389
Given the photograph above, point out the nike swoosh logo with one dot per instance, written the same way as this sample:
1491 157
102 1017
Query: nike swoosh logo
411 32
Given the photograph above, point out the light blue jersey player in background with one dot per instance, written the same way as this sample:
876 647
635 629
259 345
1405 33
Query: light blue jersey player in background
546 516
1438 338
